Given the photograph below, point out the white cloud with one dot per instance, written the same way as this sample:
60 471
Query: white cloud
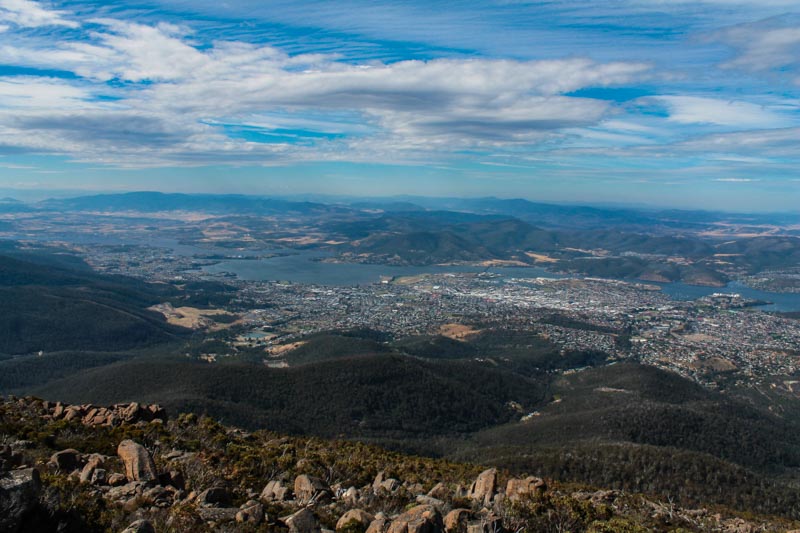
763 45
736 180
29 14
404 108
31 93
732 113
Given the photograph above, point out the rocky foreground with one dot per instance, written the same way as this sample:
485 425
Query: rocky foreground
130 468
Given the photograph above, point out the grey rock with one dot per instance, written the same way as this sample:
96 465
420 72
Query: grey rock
419 519
215 496
303 521
251 512
65 461
275 491
308 488
19 495
359 516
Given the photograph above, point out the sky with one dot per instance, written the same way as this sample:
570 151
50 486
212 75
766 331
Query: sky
678 103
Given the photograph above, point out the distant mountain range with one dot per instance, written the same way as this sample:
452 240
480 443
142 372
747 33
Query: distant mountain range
547 214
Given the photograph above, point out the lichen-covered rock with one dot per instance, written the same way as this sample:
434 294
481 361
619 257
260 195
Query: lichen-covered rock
126 492
275 491
139 465
440 492
116 479
361 518
384 484
419 519
303 521
19 496
251 512
217 514
519 488
308 488
94 462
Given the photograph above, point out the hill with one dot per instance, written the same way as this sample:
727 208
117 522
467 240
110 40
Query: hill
50 303
92 468
640 428
383 397
149 202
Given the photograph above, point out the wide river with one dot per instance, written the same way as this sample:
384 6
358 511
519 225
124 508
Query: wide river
305 267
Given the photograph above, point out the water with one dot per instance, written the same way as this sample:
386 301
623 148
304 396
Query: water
779 301
305 267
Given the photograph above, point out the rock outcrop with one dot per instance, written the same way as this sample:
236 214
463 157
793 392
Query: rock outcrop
275 491
358 517
19 496
303 521
139 465
115 415
65 461
456 520
309 488
197 489
419 519
485 487
519 488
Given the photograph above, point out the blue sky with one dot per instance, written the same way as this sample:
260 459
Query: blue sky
690 104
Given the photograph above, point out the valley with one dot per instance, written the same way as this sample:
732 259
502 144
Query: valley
620 381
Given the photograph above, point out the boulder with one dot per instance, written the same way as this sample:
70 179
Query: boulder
303 521
252 512
116 480
217 514
379 524
414 488
309 488
440 492
72 413
9 458
65 461
126 492
99 477
519 488
456 521
489 524
19 496
427 500
419 519
94 462
214 497
158 496
361 519
275 491
140 526
384 484
139 465
484 487
351 496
